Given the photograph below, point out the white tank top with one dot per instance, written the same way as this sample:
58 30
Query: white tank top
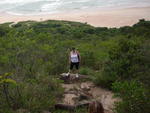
74 57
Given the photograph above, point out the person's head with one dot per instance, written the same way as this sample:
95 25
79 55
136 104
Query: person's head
73 49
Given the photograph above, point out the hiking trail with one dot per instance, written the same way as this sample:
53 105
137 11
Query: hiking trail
80 92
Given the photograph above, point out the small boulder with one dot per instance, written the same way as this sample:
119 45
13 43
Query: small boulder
85 86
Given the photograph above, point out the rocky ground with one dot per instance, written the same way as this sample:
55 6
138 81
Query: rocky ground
79 92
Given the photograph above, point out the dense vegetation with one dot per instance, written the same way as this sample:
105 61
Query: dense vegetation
33 54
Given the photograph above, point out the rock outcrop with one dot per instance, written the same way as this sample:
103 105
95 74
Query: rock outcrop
78 93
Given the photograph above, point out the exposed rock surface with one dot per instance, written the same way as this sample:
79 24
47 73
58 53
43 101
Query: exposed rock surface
78 93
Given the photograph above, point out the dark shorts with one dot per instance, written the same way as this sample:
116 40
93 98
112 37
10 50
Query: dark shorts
74 64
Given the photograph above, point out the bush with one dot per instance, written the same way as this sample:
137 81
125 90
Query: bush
135 98
34 95
124 62
103 81
41 94
7 102
85 71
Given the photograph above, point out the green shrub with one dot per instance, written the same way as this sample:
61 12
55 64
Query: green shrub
41 94
85 71
135 98
7 101
101 80
34 95
123 63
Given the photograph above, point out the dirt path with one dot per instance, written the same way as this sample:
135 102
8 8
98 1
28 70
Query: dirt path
79 92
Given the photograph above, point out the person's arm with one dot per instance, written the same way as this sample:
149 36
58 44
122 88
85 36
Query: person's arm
79 56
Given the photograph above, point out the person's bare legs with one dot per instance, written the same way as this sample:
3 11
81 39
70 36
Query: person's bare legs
77 73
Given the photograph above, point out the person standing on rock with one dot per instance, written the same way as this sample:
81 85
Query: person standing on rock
74 60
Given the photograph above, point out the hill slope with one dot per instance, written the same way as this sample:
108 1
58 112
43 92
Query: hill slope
33 54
